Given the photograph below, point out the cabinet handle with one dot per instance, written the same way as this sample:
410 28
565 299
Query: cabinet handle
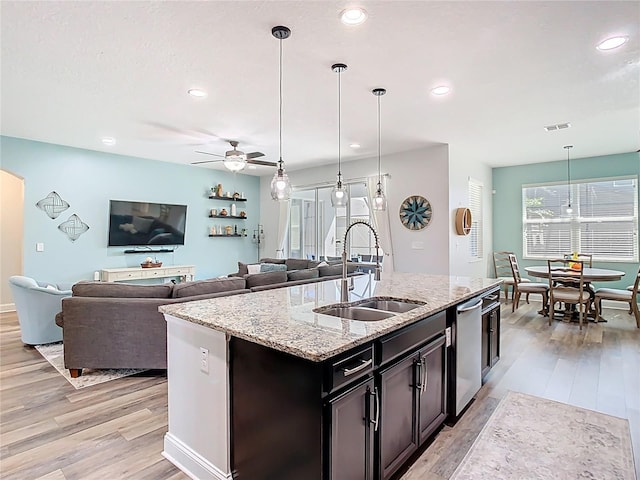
418 364
491 297
362 366
376 419
426 377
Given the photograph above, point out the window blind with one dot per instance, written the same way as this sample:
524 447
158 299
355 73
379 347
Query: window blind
604 220
475 205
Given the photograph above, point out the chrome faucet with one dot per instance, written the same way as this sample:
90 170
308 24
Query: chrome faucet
344 291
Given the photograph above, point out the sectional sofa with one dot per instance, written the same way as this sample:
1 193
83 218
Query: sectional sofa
117 325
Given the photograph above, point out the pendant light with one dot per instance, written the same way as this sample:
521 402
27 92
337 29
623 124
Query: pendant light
339 195
280 185
379 200
567 148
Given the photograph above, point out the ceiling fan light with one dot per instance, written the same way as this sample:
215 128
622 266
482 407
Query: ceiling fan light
234 163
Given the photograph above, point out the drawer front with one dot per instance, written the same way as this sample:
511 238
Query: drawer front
154 272
410 337
491 299
179 271
346 369
114 277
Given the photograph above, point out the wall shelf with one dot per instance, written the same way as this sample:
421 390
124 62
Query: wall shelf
228 198
235 217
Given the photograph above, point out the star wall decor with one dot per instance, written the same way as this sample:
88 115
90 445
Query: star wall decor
415 212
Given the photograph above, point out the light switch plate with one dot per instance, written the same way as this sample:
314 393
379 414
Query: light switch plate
39 247
417 245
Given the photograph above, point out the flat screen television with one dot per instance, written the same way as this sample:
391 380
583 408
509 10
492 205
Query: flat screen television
145 223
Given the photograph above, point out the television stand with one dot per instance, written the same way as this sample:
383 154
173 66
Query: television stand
185 272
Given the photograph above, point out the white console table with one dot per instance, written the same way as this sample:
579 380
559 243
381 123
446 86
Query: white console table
185 272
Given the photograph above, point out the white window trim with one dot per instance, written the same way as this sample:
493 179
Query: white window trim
479 227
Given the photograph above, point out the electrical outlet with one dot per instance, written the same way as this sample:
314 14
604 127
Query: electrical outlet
204 360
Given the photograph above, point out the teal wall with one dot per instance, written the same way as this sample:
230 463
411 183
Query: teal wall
507 200
89 179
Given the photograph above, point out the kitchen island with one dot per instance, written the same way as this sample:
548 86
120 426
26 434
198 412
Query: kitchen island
262 386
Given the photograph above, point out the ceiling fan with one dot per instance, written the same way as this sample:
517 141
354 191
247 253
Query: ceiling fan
235 160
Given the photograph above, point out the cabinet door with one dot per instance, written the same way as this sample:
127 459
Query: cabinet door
494 337
397 437
486 337
351 449
431 391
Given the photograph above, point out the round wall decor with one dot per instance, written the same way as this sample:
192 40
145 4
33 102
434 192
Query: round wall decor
415 212
463 221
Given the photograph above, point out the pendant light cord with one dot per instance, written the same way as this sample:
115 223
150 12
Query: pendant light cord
568 147
379 175
280 86
339 126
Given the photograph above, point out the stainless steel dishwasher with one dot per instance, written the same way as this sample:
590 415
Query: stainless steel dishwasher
466 341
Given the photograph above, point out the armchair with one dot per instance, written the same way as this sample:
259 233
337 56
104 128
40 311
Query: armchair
37 304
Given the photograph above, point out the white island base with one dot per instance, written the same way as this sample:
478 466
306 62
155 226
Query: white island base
198 440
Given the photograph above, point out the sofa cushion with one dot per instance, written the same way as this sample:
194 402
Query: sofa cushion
279 261
265 278
121 290
305 274
313 263
214 285
332 270
296 263
273 267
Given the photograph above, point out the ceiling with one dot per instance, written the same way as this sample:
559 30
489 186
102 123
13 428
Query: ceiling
73 72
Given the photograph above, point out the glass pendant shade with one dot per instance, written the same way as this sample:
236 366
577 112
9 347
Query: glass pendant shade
339 194
379 200
280 185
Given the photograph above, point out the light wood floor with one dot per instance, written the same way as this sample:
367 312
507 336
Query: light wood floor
49 430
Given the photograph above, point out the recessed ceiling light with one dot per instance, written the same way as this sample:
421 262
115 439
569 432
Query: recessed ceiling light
440 90
252 167
353 16
109 141
195 92
355 145
611 43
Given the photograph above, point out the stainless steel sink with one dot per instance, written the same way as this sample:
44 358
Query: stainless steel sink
356 312
369 310
396 306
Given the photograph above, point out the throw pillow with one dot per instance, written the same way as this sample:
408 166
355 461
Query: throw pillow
242 269
253 268
296 263
322 264
272 267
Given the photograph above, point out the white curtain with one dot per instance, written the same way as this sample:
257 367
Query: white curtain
380 220
283 225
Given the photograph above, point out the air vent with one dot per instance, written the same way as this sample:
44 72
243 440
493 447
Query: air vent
558 126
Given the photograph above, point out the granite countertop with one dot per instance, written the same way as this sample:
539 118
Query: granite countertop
284 319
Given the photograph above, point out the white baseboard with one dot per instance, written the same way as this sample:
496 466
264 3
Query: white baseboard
7 307
190 462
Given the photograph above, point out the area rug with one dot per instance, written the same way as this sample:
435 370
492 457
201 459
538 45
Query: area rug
529 437
54 354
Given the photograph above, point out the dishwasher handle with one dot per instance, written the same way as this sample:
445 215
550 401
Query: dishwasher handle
472 307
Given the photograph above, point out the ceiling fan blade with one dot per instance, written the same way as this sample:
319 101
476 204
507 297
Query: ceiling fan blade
254 155
209 153
262 162
205 161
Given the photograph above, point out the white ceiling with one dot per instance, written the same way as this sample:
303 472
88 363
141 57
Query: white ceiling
73 72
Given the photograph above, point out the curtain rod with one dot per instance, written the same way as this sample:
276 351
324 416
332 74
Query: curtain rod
332 183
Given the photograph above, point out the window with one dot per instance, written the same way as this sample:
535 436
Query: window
316 228
603 220
475 205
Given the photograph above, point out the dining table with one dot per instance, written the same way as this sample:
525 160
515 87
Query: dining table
589 276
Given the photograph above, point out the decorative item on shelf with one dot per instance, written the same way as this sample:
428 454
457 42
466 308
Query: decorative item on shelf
233 209
463 221
212 231
213 192
228 195
235 229
228 230
214 212
220 193
243 214
280 184
415 212
236 195
223 212
258 238
151 263
339 194
243 232
219 230
379 200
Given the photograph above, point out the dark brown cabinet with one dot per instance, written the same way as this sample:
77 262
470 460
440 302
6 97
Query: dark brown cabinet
490 331
413 404
352 419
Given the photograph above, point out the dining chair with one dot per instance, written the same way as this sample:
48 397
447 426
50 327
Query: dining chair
502 268
567 285
629 296
520 287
